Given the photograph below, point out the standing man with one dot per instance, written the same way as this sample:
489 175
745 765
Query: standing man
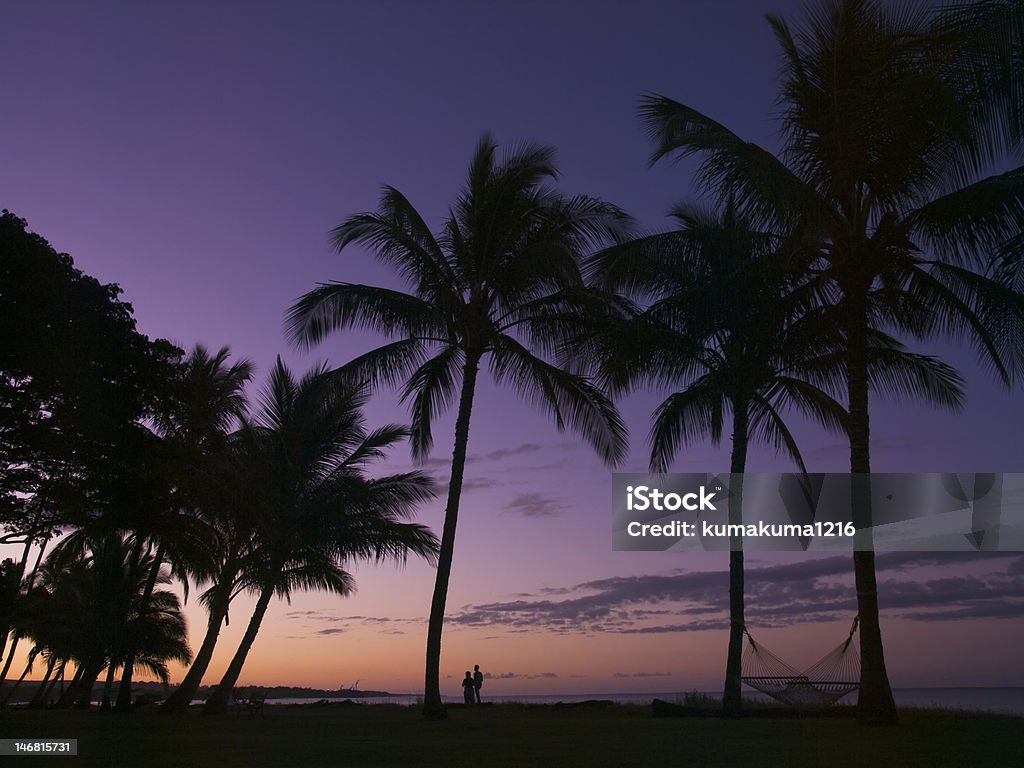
478 681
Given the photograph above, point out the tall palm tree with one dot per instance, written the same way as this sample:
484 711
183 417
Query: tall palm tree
306 454
209 400
730 323
503 266
891 119
231 541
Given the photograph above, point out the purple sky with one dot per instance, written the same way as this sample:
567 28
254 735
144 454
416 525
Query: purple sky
198 153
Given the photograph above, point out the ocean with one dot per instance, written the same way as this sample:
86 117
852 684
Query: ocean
999 700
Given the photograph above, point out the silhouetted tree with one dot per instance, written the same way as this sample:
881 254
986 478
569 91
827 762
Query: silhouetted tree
207 401
305 456
485 288
88 607
891 119
76 378
211 402
730 321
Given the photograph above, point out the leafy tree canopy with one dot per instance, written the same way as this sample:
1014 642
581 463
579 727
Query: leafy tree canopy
76 382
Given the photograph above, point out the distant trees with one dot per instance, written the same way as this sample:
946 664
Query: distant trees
491 284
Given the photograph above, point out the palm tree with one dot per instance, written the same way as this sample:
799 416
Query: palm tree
211 403
89 607
502 269
231 541
208 401
730 323
306 456
891 120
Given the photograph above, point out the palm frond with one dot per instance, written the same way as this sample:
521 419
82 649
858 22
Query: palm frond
337 306
572 400
684 418
731 168
397 235
433 388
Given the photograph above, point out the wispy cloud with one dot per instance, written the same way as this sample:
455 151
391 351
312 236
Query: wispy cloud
336 624
519 676
641 674
535 505
504 453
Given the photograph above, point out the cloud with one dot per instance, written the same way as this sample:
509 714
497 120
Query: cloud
641 674
535 505
504 453
479 483
520 676
337 624
925 587
439 462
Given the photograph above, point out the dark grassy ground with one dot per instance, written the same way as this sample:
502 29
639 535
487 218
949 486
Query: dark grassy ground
508 735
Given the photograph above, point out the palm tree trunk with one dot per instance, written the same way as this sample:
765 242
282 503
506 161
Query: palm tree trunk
181 698
433 707
10 658
44 698
218 701
732 695
10 693
875 705
44 685
108 686
67 695
83 697
5 630
124 693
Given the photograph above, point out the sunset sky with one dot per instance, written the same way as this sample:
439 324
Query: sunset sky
198 153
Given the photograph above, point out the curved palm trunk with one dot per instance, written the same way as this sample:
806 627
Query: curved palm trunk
218 701
182 696
10 659
5 629
731 697
108 686
875 705
83 697
67 695
17 683
39 698
45 696
433 708
124 693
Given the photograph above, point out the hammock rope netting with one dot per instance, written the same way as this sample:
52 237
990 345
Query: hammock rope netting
823 684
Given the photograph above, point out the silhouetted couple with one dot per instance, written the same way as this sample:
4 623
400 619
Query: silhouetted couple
471 686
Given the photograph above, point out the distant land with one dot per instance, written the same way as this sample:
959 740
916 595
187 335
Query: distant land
158 691
291 692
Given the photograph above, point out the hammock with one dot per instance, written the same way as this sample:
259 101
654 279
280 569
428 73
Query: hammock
821 686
